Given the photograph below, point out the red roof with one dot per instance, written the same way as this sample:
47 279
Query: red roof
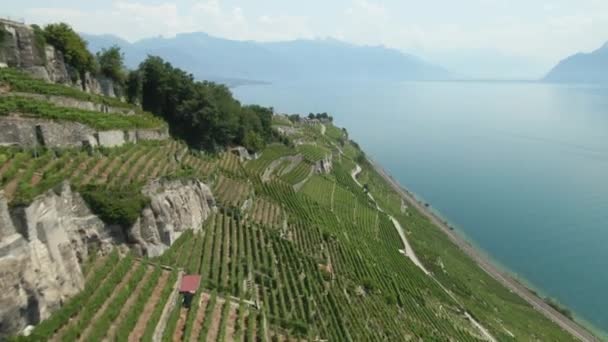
190 283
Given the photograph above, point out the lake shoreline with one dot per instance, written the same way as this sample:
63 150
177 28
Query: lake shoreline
484 262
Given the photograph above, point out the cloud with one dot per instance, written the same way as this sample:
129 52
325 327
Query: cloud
543 31
135 20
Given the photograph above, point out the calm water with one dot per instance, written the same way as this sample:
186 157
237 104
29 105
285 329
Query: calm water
520 168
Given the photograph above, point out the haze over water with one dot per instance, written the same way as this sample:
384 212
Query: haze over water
520 168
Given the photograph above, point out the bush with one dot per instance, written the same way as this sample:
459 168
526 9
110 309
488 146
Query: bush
115 206
558 307
111 64
40 42
73 47
4 34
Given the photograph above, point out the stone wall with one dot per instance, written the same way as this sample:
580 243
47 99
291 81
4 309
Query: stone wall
32 132
69 102
28 132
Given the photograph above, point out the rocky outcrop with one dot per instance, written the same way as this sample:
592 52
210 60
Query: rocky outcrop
16 130
241 153
324 165
21 49
42 245
175 207
40 249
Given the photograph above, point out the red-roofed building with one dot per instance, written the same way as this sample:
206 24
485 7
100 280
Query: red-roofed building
188 287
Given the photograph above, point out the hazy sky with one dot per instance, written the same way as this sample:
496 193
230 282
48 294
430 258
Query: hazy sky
528 36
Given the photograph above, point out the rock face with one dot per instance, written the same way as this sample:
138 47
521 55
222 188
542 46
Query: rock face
175 206
19 48
32 132
43 244
324 165
40 249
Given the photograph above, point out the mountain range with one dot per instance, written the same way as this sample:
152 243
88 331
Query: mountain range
231 61
582 68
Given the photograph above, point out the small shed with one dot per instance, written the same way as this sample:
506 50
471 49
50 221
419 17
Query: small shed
188 287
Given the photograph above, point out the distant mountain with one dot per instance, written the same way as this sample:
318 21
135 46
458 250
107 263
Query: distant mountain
582 67
209 57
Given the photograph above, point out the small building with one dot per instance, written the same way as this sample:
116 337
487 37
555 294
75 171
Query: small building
188 288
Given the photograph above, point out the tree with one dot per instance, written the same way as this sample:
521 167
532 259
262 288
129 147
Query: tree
134 87
111 64
72 46
253 142
205 114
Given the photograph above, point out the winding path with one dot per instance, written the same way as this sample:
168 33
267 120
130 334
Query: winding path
514 286
408 251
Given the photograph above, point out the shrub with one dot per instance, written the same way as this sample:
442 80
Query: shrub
111 64
558 307
4 34
73 47
115 206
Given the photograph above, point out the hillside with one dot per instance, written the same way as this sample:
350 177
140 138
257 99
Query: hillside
308 60
291 251
582 68
106 205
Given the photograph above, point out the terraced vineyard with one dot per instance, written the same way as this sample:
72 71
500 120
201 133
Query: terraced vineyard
278 262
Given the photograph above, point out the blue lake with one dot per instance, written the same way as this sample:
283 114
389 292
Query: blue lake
520 168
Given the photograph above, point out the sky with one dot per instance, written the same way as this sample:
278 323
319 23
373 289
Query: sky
477 38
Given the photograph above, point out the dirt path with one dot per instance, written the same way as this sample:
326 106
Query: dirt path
140 326
539 304
110 336
323 129
200 317
231 324
178 334
11 187
408 251
216 318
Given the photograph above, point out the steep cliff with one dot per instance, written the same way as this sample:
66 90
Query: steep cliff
175 207
42 245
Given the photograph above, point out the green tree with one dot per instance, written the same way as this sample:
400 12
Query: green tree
72 46
204 114
111 64
252 141
134 87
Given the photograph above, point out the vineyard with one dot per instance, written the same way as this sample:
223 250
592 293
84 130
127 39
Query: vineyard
289 255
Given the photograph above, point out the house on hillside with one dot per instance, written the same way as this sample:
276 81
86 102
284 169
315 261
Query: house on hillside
188 287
